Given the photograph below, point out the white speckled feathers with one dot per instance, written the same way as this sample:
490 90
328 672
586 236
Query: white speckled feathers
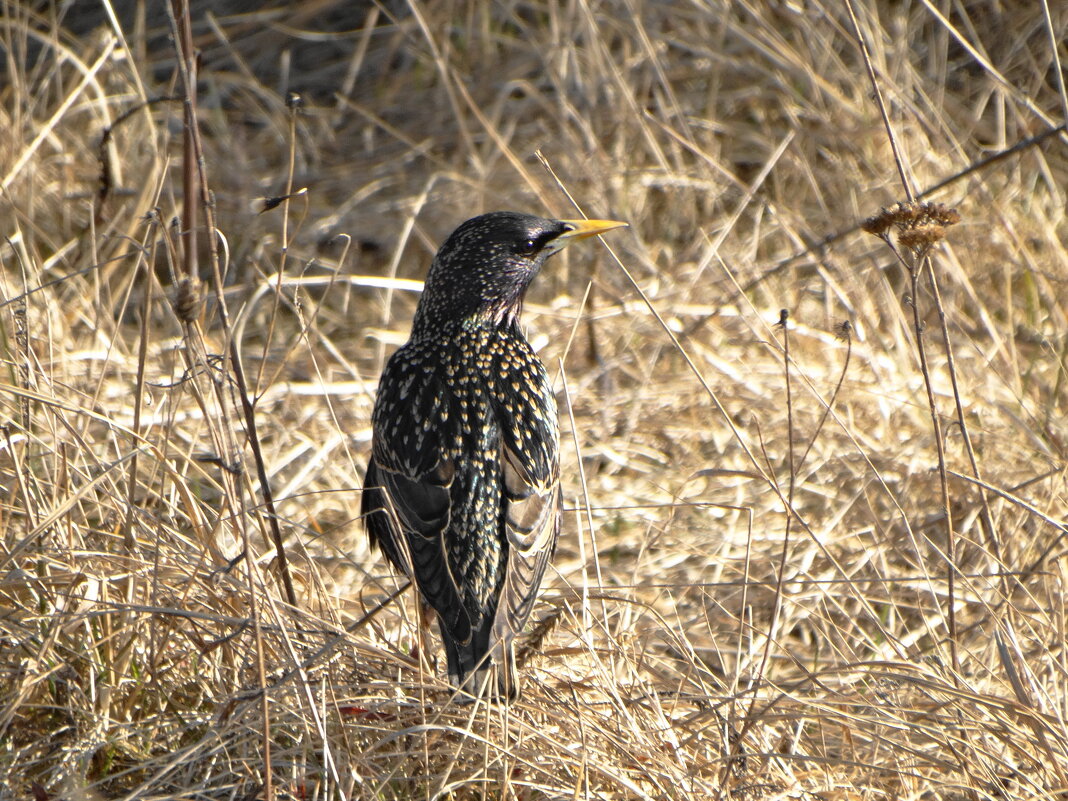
462 490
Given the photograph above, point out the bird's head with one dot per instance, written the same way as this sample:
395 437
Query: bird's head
484 268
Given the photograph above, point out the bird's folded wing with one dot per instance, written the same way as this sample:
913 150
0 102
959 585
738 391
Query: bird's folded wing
532 524
410 499
530 474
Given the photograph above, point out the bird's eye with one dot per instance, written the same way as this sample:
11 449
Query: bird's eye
527 248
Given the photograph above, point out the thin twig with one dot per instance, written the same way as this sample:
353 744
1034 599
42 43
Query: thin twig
842 233
877 92
918 325
845 329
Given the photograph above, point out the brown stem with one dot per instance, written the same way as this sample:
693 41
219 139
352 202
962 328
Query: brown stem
914 270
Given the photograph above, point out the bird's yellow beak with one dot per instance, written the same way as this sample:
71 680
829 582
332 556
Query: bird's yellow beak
581 229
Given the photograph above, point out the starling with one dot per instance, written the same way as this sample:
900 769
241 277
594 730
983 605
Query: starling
462 490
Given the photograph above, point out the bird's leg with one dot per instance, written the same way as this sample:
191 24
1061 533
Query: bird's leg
421 651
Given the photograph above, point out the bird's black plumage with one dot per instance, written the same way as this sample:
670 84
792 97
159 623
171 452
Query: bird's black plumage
462 488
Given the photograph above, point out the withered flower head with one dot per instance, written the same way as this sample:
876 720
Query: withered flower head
920 225
921 237
188 299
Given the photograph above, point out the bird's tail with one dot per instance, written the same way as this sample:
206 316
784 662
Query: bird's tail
479 668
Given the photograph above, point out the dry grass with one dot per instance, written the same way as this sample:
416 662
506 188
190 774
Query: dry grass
899 634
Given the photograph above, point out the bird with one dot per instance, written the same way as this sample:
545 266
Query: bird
462 488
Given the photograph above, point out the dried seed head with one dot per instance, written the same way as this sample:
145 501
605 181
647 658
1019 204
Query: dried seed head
187 300
920 224
899 215
939 214
877 224
922 237
844 330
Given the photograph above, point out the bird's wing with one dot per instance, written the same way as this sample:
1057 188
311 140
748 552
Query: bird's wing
532 523
407 491
531 482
